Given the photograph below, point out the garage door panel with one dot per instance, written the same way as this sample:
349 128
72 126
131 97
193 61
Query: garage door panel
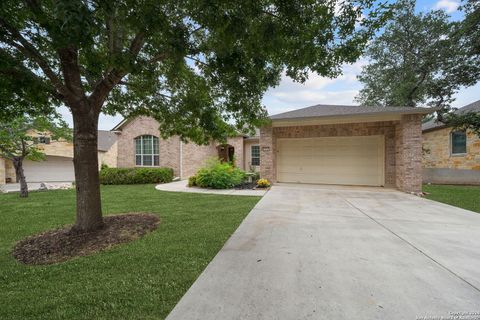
53 169
332 160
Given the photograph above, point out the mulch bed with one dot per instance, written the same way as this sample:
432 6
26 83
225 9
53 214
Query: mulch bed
59 245
246 185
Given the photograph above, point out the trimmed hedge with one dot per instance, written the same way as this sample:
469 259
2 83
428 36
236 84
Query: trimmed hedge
135 175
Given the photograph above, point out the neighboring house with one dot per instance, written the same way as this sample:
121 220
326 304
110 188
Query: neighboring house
451 156
325 144
58 163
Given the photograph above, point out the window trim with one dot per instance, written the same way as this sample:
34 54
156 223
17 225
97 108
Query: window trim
142 155
252 157
460 154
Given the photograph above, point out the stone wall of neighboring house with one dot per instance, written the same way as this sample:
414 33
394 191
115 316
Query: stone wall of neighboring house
440 166
2 171
109 157
248 154
59 148
7 171
10 171
437 151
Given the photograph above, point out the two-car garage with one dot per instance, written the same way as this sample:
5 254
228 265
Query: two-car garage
52 169
348 160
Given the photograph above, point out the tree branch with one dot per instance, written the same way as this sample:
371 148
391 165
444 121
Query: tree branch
71 71
103 88
196 60
29 51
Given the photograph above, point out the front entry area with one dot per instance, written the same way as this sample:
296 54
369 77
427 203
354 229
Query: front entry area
348 160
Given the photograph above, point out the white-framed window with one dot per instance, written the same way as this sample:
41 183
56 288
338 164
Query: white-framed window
147 151
458 143
255 155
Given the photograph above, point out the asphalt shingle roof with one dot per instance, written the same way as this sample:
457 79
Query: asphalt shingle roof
434 124
324 110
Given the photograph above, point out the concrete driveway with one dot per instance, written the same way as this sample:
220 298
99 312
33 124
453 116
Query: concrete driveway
321 252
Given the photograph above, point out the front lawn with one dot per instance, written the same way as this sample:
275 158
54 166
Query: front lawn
467 197
140 280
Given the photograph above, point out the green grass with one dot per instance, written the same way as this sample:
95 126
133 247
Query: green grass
467 197
143 279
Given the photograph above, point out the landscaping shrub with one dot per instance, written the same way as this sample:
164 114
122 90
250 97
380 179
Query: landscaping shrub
218 175
135 175
192 181
263 183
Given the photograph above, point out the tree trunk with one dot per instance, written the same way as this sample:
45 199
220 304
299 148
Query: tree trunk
18 165
85 160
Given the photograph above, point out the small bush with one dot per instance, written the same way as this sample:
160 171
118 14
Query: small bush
218 175
135 175
263 183
192 181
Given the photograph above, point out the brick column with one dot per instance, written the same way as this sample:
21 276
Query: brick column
267 154
408 160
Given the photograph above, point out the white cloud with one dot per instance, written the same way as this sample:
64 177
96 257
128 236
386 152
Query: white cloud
448 5
291 95
105 122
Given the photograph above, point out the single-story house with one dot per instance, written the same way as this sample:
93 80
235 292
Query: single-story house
139 144
324 144
451 156
351 145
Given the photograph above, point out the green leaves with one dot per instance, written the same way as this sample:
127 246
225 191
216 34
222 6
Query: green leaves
200 67
464 121
421 58
17 137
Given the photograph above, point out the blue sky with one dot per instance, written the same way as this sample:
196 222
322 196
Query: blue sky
319 90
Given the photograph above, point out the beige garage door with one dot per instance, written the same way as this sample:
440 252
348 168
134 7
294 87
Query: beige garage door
57 169
332 160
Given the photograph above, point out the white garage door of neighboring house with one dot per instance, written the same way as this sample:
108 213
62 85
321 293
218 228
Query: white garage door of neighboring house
332 160
53 169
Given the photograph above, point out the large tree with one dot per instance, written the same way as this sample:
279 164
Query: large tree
421 59
194 65
18 141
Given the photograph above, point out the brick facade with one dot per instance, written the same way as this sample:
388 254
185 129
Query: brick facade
193 156
247 155
109 157
408 154
408 137
169 149
267 154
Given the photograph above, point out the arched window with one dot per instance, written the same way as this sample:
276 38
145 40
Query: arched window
146 151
